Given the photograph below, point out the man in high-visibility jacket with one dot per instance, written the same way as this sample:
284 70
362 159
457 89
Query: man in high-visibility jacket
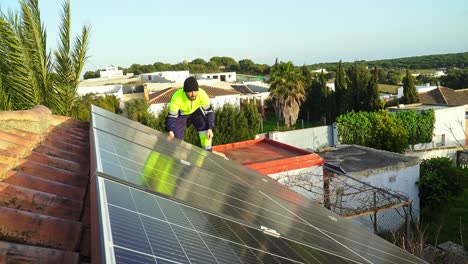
191 103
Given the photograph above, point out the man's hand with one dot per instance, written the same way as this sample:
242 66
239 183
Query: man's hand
209 134
170 135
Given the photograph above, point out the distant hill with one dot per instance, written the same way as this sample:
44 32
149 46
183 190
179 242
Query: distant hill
459 60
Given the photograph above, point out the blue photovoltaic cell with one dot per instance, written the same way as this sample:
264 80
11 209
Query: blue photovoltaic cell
132 257
198 237
232 203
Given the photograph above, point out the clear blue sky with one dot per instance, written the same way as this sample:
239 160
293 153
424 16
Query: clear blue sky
124 32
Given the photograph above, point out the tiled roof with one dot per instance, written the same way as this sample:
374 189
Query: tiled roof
446 96
44 171
164 96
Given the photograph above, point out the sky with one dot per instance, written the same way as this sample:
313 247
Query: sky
124 32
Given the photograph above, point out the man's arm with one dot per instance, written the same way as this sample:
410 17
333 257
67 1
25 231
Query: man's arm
207 110
172 117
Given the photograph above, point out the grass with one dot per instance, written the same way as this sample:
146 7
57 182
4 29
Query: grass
423 71
271 124
449 222
388 88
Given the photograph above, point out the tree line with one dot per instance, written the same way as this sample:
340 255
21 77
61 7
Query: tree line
199 65
452 60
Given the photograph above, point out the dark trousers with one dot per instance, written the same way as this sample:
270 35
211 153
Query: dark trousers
200 123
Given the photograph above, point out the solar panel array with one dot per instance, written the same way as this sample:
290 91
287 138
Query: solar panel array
166 201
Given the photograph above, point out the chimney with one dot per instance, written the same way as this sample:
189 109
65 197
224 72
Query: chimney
145 91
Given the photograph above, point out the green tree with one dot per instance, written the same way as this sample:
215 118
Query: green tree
253 119
26 67
91 74
373 99
231 125
386 134
198 61
358 80
137 110
83 110
393 77
341 101
69 64
324 104
307 75
159 66
373 129
440 179
246 66
287 92
410 95
455 78
225 62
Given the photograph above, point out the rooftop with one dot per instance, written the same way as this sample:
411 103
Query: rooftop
363 161
445 96
44 172
268 156
418 107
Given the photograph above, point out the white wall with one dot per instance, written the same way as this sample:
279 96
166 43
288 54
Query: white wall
156 108
230 76
449 129
169 75
450 153
308 138
400 180
419 89
102 90
219 101
111 72
331 85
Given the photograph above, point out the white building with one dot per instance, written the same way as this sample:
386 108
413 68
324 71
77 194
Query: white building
101 90
420 89
222 76
366 167
439 73
111 72
320 70
165 76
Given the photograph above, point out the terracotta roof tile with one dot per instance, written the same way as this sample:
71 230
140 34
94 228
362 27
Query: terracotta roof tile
18 253
44 174
164 96
43 185
41 230
446 96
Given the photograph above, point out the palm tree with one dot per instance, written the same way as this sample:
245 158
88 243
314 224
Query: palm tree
287 91
28 74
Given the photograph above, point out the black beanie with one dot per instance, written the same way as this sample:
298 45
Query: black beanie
190 84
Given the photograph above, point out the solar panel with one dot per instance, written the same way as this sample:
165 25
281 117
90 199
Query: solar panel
187 194
145 226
